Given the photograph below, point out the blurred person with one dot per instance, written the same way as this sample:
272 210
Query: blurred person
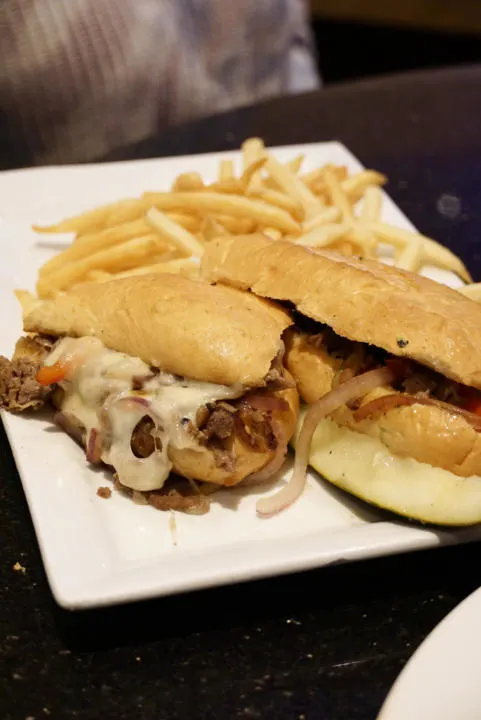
79 78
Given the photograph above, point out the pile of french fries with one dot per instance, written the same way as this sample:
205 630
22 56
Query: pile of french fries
168 231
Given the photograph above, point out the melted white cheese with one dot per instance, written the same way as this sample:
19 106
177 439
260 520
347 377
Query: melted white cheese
98 392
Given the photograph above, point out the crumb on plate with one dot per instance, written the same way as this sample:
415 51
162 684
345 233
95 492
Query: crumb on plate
104 492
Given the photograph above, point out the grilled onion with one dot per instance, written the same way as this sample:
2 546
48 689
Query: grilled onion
341 395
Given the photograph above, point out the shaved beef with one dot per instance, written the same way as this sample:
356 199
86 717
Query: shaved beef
277 379
242 418
224 458
219 425
176 495
173 500
254 428
18 388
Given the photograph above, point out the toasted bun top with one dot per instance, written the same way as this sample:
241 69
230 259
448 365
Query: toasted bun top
364 300
211 333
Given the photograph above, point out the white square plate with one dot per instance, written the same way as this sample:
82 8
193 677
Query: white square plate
99 552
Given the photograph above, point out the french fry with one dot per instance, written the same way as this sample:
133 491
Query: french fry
296 189
355 185
473 291
236 225
324 235
209 203
174 233
161 257
319 190
114 259
312 177
272 233
337 195
97 275
279 199
317 175
190 222
211 228
94 243
363 238
176 266
252 149
250 177
412 256
100 218
372 204
231 186
346 247
295 165
226 170
155 232
433 253
252 161
89 221
187 182
328 215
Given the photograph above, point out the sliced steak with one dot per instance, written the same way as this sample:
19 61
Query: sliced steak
255 429
277 377
220 424
18 388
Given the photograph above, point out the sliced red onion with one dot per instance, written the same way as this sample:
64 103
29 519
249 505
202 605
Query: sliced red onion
128 400
341 395
272 466
135 400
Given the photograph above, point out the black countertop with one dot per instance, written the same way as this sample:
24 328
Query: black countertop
322 644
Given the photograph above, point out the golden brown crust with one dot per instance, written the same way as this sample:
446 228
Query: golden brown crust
186 327
200 464
312 367
361 300
426 433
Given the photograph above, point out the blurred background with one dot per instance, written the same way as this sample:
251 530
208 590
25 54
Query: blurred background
81 78
361 38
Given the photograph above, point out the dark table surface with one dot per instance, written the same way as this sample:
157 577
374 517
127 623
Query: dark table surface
323 644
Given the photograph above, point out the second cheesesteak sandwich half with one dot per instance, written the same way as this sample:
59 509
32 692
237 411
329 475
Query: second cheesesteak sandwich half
389 366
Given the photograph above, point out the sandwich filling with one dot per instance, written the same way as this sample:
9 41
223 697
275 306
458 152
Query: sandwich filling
339 360
128 415
357 385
